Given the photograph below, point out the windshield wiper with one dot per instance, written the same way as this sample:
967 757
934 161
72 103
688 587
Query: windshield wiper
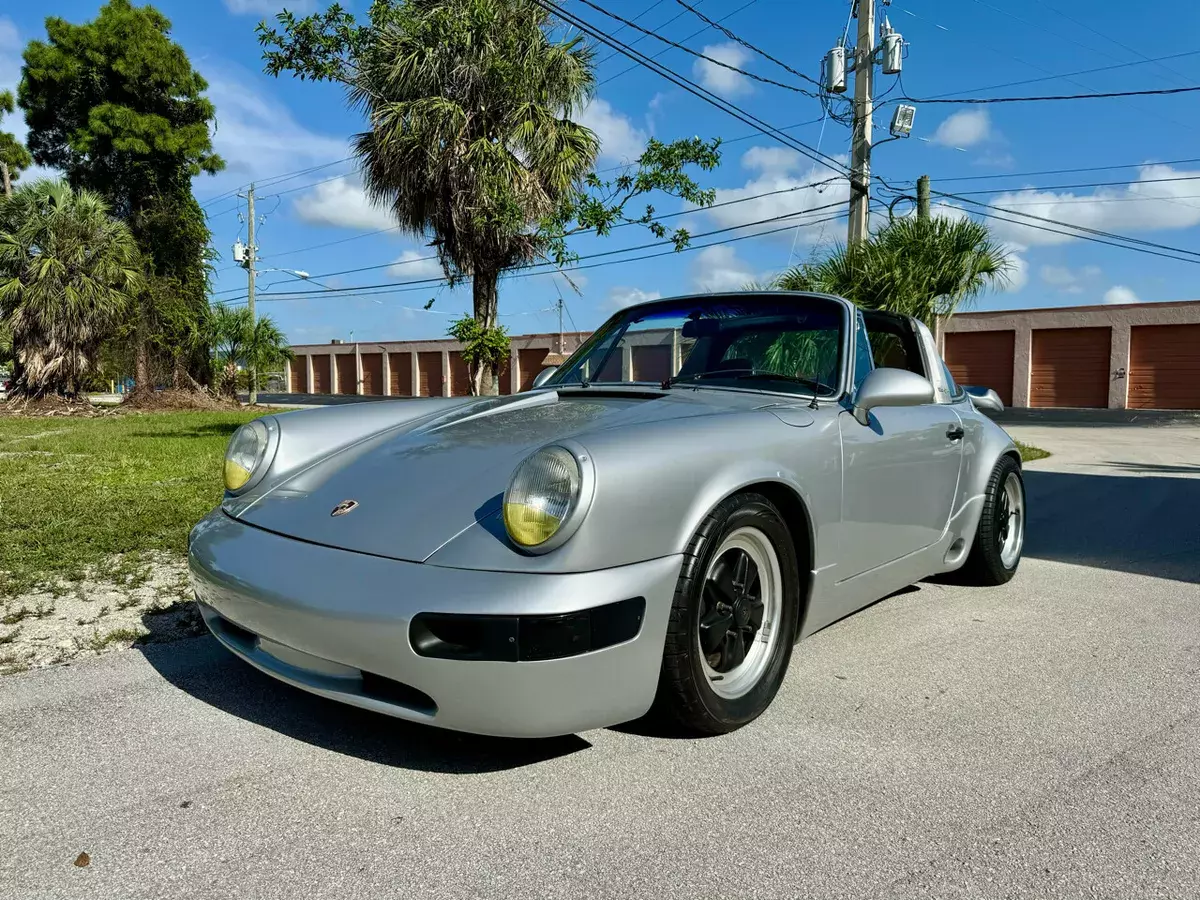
754 375
715 373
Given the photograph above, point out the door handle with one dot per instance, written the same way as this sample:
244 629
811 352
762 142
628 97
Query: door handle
955 433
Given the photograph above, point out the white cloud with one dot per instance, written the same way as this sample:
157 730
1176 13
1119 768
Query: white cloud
620 140
793 186
1066 280
718 79
1118 293
1017 275
342 204
964 129
1148 204
620 297
413 265
268 7
257 135
718 268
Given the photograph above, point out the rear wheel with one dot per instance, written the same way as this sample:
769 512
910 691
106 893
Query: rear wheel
1000 538
733 619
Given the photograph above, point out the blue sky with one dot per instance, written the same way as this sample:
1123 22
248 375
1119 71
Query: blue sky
268 127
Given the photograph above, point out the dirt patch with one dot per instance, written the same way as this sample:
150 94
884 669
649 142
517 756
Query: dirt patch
159 401
123 602
51 406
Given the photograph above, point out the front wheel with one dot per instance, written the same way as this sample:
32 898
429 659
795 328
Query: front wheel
733 619
1000 537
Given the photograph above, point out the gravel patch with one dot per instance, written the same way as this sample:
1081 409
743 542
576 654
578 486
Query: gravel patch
127 600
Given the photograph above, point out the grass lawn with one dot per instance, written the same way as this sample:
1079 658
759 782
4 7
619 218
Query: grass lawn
1030 453
74 492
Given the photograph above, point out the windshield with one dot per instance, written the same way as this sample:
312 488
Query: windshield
776 342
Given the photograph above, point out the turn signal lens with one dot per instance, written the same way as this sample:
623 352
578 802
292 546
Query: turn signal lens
246 450
542 494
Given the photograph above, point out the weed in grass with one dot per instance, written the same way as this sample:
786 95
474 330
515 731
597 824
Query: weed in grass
128 602
84 621
43 610
9 637
99 641
104 611
14 616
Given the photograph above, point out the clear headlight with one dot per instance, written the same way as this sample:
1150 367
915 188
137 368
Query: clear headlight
543 493
247 448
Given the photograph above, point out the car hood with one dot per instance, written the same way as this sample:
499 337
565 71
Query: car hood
419 485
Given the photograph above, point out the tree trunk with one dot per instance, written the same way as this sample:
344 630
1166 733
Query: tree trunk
141 367
486 300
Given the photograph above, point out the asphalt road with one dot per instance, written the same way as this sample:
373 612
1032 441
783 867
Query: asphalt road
1037 740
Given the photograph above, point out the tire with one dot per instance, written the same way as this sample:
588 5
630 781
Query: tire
996 552
711 693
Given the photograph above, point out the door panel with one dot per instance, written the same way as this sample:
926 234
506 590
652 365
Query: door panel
372 373
1164 367
460 378
530 362
900 477
429 367
299 383
1070 367
400 373
347 373
320 371
983 358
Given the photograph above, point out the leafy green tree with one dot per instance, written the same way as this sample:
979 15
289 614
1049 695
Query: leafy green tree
239 341
473 138
67 274
924 268
115 104
13 155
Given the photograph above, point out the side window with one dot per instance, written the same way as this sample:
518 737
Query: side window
864 362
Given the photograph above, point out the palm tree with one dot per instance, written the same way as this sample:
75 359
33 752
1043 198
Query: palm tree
472 140
924 268
67 270
237 339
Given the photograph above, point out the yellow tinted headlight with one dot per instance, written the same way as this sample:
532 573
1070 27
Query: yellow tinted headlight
245 454
542 494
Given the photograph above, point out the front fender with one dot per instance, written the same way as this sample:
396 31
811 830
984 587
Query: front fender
307 435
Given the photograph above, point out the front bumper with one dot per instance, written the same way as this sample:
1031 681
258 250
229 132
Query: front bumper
336 623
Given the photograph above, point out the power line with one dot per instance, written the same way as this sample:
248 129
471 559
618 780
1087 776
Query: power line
695 89
682 212
1064 76
1138 165
1139 245
696 33
1092 184
550 268
626 23
321 246
613 262
734 37
643 37
1096 96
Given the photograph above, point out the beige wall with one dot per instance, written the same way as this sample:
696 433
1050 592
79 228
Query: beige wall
1120 318
549 342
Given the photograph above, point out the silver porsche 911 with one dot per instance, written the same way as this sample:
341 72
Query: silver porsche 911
705 481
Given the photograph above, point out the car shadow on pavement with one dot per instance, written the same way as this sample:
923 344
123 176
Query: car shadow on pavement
204 669
1141 524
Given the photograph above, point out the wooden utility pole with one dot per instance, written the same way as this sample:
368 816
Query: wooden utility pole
860 141
251 257
923 197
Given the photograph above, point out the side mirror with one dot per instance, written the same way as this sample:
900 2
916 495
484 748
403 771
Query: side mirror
543 376
984 399
890 387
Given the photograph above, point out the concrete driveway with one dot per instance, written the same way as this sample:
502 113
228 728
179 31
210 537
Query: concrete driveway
1038 740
